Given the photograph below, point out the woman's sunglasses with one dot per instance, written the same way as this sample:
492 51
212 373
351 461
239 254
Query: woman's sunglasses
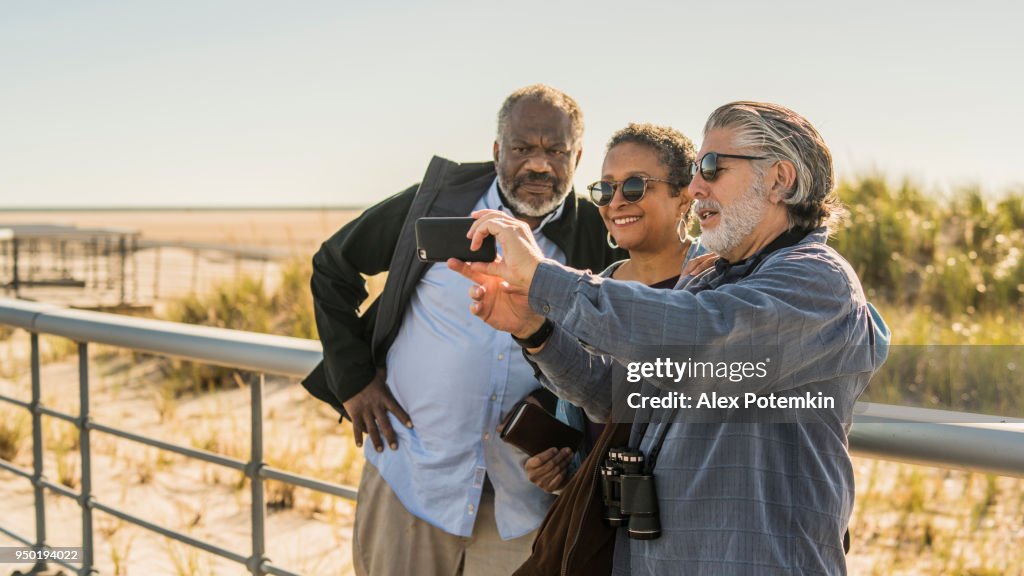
633 189
708 164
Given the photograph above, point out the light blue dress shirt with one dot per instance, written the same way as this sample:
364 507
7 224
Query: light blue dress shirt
457 377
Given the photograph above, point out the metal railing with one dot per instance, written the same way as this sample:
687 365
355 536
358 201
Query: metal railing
971 442
264 354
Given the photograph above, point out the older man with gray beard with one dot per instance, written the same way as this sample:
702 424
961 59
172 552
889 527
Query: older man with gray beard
747 493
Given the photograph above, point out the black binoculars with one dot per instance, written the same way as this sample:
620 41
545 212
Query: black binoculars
630 494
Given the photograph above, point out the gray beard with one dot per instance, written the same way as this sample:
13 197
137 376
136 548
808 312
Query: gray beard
525 208
736 222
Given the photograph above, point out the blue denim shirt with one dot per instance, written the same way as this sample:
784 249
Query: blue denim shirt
456 377
735 497
573 415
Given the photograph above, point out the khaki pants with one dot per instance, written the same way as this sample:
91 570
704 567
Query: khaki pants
389 541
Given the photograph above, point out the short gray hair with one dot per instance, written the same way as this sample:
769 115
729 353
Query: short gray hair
546 94
674 149
781 134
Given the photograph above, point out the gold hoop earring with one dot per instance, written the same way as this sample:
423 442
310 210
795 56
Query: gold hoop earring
683 237
683 218
611 242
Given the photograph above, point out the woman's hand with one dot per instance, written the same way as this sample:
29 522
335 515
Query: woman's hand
699 264
549 470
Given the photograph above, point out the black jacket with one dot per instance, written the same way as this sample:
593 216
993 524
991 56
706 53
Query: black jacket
382 239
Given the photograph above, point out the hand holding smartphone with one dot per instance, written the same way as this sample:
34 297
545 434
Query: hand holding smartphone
441 238
533 430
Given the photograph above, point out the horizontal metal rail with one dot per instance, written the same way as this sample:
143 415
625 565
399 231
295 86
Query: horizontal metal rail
218 346
15 401
961 440
26 542
14 536
269 473
203 455
184 538
4 465
974 442
246 351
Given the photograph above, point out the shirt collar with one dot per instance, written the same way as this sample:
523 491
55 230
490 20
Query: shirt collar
729 273
788 238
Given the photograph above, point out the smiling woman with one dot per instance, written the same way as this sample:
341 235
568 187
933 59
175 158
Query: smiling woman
644 202
645 209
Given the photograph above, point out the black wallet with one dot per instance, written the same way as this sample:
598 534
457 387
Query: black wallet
533 430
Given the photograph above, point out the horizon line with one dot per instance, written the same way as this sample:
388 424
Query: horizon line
169 208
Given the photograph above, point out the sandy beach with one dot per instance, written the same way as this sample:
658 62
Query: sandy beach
300 231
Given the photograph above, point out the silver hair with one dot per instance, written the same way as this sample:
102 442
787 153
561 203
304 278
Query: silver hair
781 134
549 95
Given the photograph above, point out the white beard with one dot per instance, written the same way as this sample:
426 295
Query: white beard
735 222
525 208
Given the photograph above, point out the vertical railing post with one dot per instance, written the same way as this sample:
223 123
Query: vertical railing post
15 281
122 250
85 499
256 464
156 274
108 255
135 268
94 246
3 258
37 451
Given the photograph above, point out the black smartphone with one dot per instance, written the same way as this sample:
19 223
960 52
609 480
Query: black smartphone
441 238
533 430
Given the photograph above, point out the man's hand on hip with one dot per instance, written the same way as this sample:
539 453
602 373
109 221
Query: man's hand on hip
369 413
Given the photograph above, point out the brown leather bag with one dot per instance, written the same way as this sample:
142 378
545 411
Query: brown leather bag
574 539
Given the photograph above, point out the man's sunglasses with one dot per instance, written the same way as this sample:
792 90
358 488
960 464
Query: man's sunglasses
633 189
708 164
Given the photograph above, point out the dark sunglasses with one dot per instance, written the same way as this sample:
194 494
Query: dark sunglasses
708 164
633 189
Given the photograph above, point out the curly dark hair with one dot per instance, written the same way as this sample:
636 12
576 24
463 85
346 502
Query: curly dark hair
675 150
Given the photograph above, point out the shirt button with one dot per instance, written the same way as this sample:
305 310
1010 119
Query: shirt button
469 509
493 397
487 436
546 308
501 356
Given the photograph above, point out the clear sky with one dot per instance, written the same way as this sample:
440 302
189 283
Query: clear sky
198 103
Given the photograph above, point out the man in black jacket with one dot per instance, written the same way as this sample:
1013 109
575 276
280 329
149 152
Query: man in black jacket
448 497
